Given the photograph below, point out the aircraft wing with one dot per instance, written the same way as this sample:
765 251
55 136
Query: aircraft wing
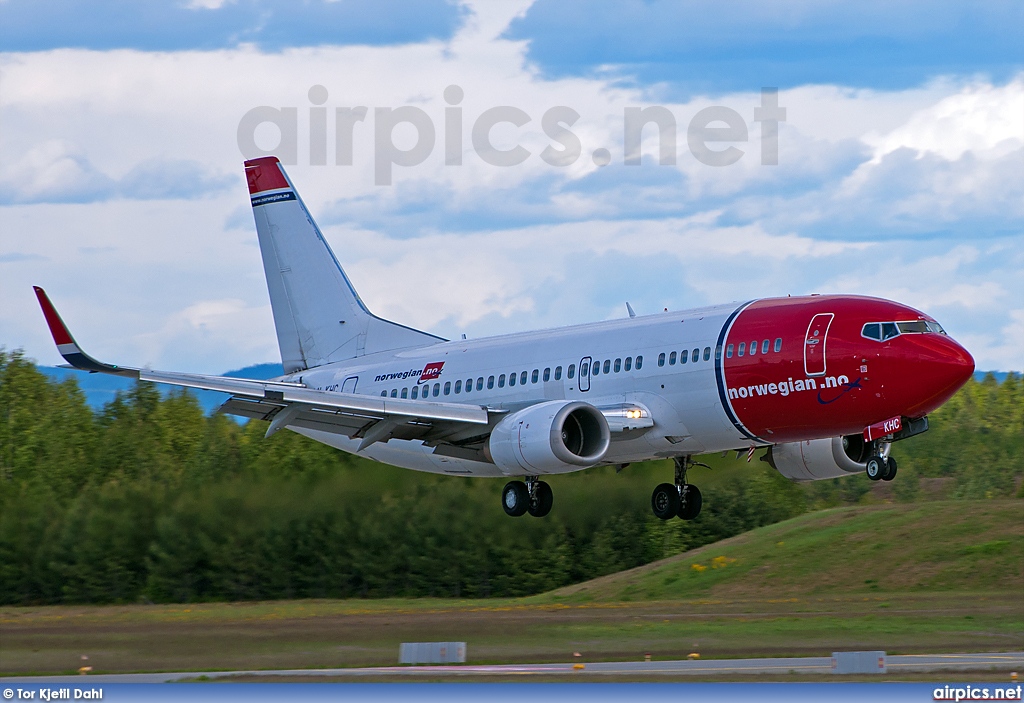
369 418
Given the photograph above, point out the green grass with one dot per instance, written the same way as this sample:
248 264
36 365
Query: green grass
925 547
920 578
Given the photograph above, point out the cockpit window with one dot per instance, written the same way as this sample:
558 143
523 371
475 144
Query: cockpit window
881 331
872 330
915 327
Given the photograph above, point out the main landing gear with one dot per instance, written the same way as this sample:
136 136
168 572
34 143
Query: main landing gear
534 497
880 466
682 499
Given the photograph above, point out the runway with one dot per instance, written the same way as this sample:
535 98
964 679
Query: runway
919 663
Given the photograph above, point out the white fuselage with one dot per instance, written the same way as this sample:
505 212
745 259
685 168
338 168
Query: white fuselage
683 398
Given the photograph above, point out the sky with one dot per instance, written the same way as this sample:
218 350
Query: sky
123 127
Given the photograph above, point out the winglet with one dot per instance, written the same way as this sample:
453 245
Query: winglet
67 346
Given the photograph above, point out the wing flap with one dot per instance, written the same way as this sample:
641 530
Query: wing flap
252 409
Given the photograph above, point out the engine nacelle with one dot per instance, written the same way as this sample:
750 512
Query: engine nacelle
553 437
819 458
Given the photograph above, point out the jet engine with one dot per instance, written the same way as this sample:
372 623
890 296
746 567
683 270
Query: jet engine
557 436
819 458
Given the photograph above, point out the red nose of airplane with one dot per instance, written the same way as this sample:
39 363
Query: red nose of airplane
957 365
943 368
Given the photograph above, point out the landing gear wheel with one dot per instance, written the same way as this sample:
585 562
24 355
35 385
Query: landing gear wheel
890 469
665 501
515 499
875 467
542 500
689 506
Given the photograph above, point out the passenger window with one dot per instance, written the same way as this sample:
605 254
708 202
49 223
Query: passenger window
718 353
572 371
480 383
778 344
596 369
607 366
872 330
405 392
458 387
889 330
522 379
696 356
547 375
469 385
415 392
661 359
490 382
764 347
739 350
728 352
535 376
448 388
684 356
753 347
394 392
707 353
501 381
672 359
558 373
512 378
437 389
618 365
629 363
383 394
639 363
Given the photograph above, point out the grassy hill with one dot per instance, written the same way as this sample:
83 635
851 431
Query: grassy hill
961 546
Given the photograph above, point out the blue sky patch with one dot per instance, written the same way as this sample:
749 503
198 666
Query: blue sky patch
710 48
173 25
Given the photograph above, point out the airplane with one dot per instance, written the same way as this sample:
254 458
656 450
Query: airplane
825 384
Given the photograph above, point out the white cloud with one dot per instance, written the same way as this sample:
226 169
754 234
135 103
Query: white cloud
956 157
983 119
861 173
207 4
207 326
470 276
53 170
1002 349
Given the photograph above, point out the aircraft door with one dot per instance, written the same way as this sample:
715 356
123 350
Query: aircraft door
349 386
585 374
814 344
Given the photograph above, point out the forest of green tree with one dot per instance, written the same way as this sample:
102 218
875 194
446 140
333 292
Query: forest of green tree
151 500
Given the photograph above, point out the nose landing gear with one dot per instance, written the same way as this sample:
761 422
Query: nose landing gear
682 499
880 466
890 472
